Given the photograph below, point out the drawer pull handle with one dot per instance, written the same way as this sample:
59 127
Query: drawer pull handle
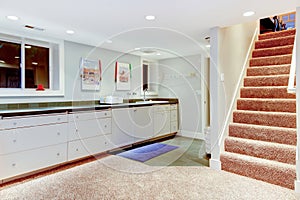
58 119
15 123
77 117
58 154
105 114
76 149
58 133
105 126
14 141
14 164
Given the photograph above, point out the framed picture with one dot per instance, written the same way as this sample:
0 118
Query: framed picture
90 74
122 76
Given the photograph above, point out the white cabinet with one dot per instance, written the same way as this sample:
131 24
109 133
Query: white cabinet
174 118
142 123
161 120
88 133
21 139
88 146
131 125
32 142
122 127
26 161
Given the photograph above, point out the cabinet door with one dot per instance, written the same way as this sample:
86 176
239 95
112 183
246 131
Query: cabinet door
143 123
161 121
21 139
26 161
122 127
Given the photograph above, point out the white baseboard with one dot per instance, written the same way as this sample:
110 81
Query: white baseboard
297 186
215 164
191 134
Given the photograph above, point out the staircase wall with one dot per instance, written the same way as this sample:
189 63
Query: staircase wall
229 48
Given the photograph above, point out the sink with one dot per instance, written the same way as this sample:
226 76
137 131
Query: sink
150 102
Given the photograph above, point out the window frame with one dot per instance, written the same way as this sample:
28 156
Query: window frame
43 42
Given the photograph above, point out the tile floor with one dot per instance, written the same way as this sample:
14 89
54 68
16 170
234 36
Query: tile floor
191 152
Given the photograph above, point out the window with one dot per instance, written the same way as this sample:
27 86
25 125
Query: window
288 19
10 70
26 63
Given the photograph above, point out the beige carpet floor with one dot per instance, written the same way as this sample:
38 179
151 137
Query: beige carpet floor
114 177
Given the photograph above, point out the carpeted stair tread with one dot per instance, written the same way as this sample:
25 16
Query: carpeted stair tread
274 80
268 70
270 105
274 51
277 34
278 119
273 172
261 149
264 133
266 92
271 60
275 42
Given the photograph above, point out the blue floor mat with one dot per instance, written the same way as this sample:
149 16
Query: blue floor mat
145 153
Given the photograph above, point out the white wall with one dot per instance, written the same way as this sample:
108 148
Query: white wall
228 53
181 78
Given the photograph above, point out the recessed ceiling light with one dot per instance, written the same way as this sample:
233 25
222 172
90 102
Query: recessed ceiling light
34 63
12 17
17 57
138 48
158 54
70 32
208 45
108 41
27 46
248 13
150 17
2 61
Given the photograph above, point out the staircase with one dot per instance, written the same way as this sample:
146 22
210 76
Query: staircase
262 138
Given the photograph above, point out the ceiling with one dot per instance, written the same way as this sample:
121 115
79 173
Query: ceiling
179 28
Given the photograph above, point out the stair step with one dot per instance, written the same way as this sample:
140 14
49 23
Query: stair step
277 119
260 149
264 133
277 34
271 60
273 172
281 50
266 92
275 42
268 70
272 105
275 80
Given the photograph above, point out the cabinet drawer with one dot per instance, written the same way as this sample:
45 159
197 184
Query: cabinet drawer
31 120
173 106
174 127
89 128
78 116
20 139
27 161
86 147
161 108
173 115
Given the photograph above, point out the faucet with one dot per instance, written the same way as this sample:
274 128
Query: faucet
145 94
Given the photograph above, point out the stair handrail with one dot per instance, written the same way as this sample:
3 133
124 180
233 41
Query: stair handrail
291 85
236 91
